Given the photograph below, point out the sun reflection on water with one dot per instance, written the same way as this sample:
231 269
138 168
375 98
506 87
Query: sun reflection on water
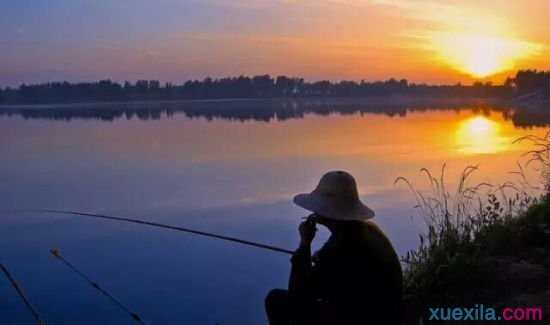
480 135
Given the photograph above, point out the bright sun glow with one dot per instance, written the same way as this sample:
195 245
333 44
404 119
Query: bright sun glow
481 55
478 135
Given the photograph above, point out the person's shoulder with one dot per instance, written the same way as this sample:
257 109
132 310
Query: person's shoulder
373 236
370 224
371 227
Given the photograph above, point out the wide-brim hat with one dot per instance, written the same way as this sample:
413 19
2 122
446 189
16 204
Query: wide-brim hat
335 197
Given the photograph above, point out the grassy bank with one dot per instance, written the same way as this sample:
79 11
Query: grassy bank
454 268
483 246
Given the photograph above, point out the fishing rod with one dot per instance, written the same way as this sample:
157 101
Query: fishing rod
165 226
21 294
57 254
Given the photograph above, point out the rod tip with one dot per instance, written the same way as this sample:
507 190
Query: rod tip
136 317
55 252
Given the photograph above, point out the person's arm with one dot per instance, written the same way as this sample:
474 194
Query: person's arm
300 282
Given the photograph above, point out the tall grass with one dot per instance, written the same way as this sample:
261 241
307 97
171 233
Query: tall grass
540 155
468 225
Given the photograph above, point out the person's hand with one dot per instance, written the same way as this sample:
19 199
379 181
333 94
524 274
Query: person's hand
307 230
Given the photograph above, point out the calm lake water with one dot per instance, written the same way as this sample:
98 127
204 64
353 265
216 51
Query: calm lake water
227 167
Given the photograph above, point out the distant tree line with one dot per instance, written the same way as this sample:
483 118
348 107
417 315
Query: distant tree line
532 82
265 86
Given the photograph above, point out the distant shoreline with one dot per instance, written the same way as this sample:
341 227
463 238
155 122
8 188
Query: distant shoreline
528 87
388 100
87 104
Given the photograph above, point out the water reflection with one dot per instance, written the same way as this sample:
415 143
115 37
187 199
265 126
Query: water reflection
192 165
480 135
267 110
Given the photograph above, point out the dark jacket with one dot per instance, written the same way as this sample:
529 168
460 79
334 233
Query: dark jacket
355 278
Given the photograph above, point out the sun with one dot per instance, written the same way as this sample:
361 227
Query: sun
481 55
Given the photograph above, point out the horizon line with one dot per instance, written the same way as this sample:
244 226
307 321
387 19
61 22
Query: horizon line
163 83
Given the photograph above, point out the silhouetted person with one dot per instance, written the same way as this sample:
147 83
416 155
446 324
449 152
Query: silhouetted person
355 278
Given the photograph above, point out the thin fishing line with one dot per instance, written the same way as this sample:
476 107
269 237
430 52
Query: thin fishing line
21 294
160 225
55 253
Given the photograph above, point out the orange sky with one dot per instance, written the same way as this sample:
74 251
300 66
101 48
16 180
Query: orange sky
426 41
175 40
